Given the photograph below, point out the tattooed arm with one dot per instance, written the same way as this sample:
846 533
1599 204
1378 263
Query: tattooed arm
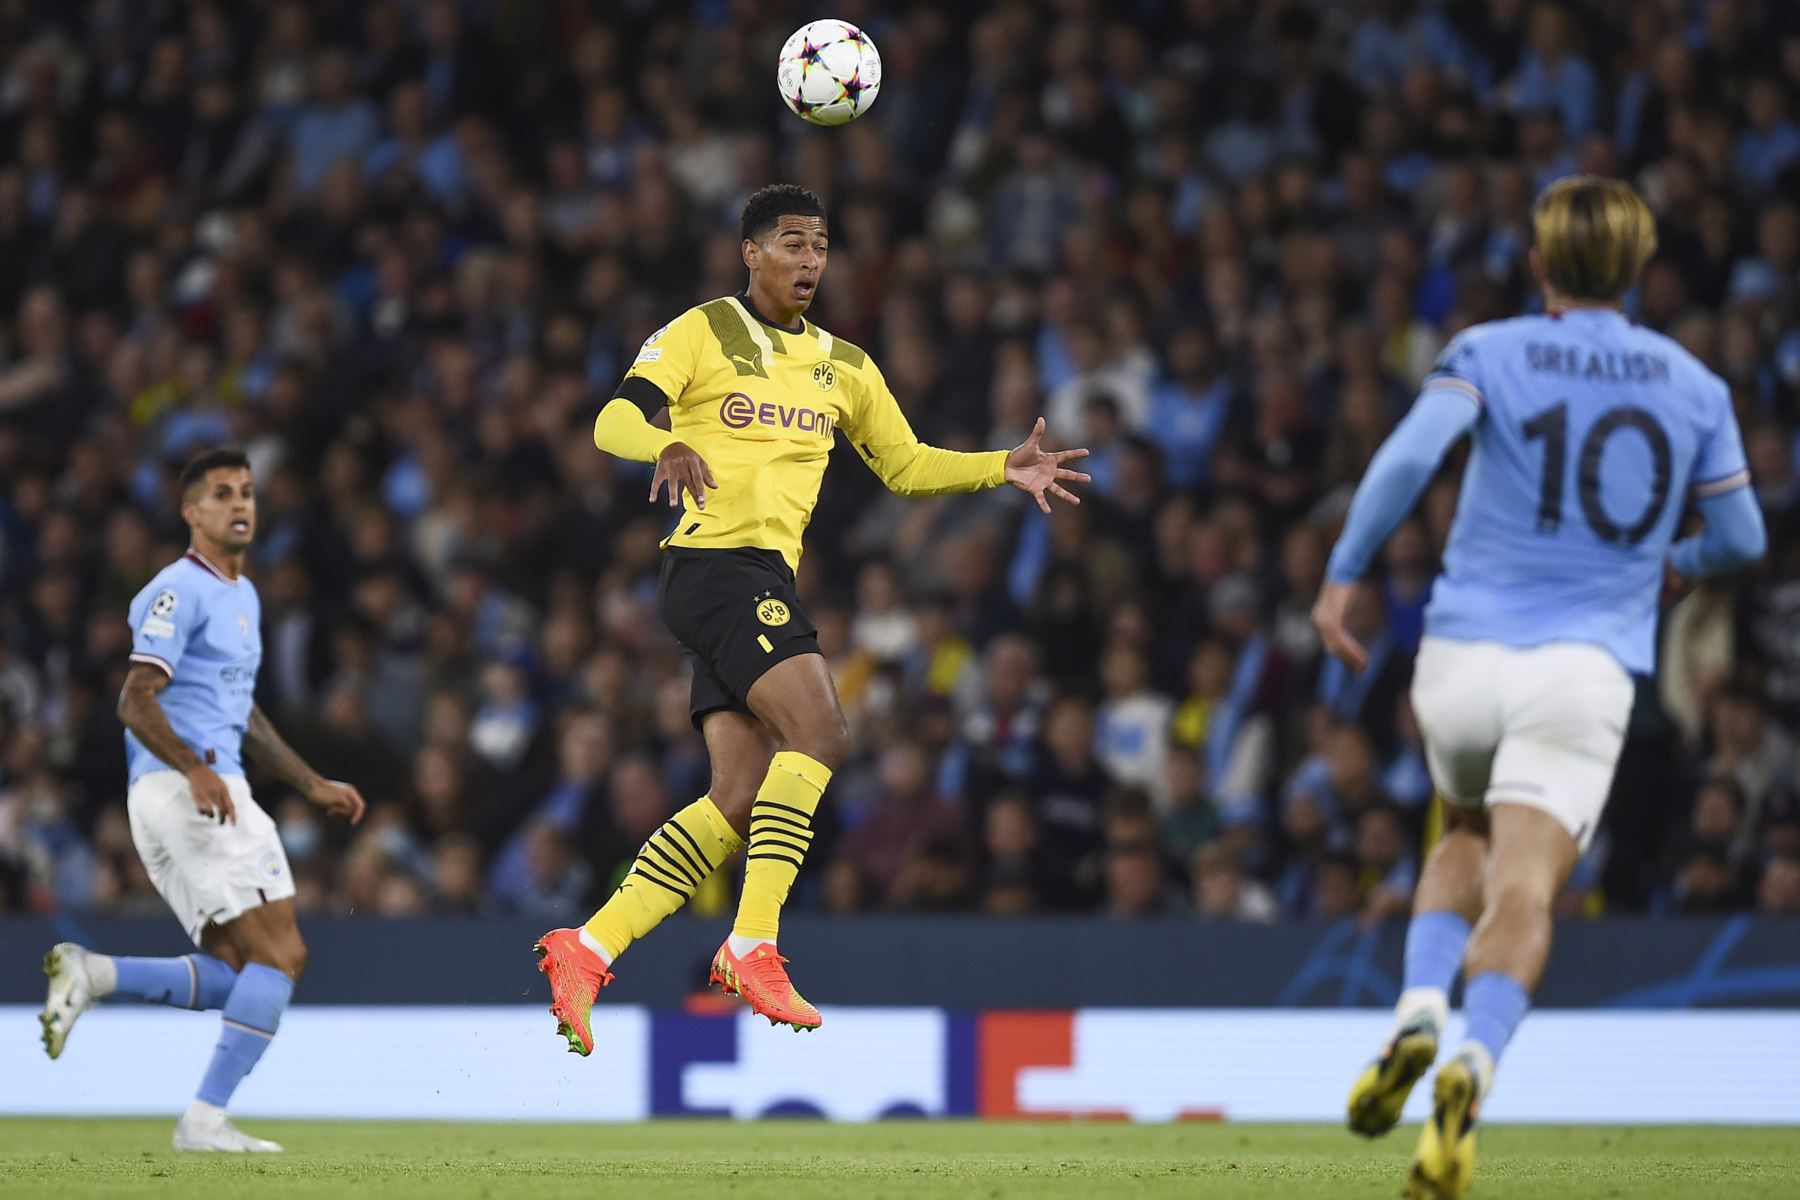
273 752
141 713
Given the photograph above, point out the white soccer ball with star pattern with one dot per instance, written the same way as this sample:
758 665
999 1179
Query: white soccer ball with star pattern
829 72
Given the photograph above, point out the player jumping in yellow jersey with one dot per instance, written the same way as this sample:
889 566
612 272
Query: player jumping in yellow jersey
756 395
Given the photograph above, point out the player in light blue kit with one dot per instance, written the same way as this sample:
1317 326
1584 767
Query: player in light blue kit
189 710
1589 436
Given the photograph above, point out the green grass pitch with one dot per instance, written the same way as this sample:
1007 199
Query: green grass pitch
806 1160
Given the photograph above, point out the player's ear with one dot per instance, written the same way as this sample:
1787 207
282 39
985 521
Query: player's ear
752 254
1536 258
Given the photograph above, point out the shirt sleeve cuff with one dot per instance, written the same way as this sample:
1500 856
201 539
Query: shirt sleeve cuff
1725 483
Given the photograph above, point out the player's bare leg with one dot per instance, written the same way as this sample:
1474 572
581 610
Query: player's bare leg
1445 907
738 748
797 702
1530 857
219 942
670 867
266 942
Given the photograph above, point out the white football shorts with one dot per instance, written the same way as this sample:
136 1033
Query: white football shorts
1541 727
207 872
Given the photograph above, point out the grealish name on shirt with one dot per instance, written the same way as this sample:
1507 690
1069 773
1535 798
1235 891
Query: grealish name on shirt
1596 366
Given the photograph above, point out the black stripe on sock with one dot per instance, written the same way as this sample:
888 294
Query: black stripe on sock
689 838
763 816
790 828
778 838
778 832
643 868
668 863
765 843
792 862
699 871
787 808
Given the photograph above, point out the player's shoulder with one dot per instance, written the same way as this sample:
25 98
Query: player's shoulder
688 321
179 576
1460 365
843 350
1684 365
1500 335
178 585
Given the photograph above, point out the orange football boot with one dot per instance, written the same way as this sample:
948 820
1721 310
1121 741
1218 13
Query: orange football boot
762 982
576 976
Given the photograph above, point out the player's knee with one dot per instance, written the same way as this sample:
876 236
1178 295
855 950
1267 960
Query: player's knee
1520 896
293 962
287 955
826 740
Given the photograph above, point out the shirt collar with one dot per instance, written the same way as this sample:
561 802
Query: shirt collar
750 307
206 564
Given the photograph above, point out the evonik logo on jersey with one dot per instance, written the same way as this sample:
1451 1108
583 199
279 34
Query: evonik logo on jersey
739 411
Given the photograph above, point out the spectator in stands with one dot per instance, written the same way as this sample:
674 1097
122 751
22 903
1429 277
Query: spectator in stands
1131 734
1749 747
1191 408
1334 893
936 876
1386 864
1706 881
1014 878
1223 892
1136 882
1779 892
1069 788
892 831
456 877
401 258
1189 820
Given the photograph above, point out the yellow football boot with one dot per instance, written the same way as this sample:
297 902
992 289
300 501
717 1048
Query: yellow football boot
1381 1091
1444 1164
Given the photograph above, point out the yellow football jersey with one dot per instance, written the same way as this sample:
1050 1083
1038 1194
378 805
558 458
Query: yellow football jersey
762 404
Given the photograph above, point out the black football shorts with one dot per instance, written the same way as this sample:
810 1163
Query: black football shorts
737 614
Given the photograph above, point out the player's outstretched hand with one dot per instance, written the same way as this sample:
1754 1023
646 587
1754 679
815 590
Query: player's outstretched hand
1328 618
339 799
1039 472
211 797
681 467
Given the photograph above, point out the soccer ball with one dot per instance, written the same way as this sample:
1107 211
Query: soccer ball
829 72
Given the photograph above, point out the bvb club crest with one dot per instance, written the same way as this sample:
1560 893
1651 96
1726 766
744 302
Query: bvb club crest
825 375
772 612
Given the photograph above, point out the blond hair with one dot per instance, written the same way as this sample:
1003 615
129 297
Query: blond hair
1594 236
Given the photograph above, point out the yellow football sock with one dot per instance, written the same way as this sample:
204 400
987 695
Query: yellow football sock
780 832
672 865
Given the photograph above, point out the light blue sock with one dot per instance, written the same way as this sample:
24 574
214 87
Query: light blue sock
192 981
252 1015
1493 1005
1434 949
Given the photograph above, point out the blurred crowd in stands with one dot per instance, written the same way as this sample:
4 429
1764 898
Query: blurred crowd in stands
402 250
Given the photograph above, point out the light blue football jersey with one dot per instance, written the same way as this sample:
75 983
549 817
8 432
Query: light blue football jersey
205 630
1592 435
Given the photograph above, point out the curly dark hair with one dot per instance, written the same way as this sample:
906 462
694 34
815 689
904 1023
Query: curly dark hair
769 204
